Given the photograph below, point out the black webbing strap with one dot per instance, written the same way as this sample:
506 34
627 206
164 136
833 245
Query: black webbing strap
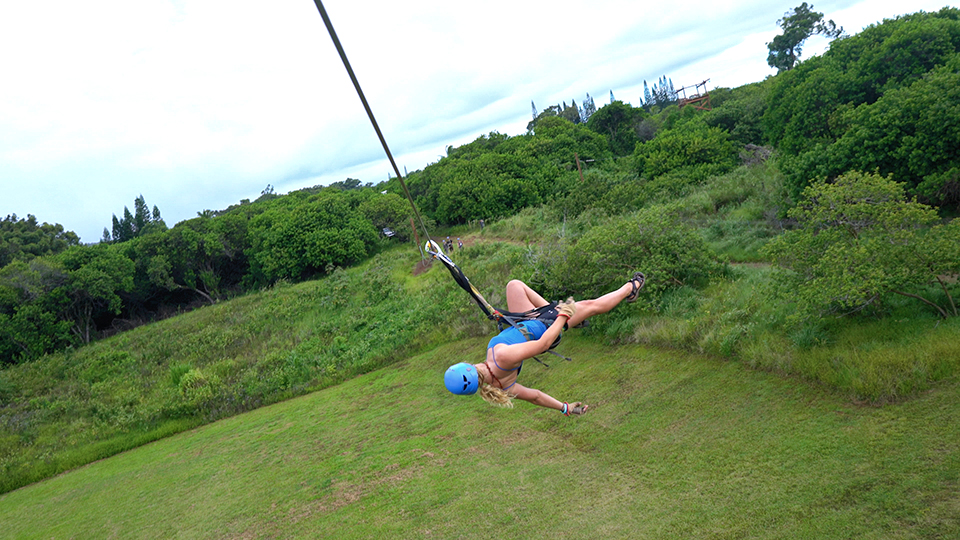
511 318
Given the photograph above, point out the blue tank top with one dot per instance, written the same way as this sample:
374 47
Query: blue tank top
512 335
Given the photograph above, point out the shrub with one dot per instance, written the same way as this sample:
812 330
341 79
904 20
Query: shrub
692 148
859 240
653 240
198 387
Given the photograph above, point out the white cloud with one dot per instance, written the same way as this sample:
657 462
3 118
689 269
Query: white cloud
198 104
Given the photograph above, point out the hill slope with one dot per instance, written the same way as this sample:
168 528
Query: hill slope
675 446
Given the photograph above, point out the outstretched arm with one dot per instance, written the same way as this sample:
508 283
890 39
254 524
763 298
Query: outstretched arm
532 395
542 399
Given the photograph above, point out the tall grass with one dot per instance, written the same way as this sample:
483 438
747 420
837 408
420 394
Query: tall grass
69 409
675 446
72 408
867 359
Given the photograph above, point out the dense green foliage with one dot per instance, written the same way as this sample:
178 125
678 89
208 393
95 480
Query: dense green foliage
132 225
618 122
884 99
693 151
654 239
860 239
496 176
60 298
739 111
299 237
686 196
24 239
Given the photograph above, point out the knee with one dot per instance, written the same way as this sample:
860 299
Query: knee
516 284
587 308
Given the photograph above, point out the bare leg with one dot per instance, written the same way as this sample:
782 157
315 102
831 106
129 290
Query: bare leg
520 297
589 308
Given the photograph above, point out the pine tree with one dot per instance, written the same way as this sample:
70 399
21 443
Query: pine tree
662 93
117 230
141 215
127 231
571 113
534 109
138 223
588 109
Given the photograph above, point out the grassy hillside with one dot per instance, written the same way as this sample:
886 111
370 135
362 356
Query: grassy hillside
675 446
69 409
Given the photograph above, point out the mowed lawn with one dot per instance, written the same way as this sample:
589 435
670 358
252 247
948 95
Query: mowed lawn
674 446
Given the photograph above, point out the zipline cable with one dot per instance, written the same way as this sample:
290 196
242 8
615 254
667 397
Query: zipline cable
366 106
433 249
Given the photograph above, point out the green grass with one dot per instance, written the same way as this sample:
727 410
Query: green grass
676 446
865 359
70 409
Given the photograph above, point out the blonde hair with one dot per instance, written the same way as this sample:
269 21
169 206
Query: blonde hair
493 395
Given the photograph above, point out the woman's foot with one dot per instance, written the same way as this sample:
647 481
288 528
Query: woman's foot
636 282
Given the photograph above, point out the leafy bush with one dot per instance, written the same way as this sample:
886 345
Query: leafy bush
294 240
177 371
860 239
907 132
740 112
693 150
654 240
885 99
619 123
198 387
25 239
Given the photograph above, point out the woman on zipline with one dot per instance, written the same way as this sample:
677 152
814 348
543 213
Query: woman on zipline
496 376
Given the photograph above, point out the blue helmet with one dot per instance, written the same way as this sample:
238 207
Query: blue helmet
461 379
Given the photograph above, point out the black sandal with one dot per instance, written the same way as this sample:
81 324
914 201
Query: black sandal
637 277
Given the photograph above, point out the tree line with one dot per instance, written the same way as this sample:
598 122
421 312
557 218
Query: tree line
56 293
882 102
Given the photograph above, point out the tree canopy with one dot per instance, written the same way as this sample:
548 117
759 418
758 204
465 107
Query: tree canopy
884 99
135 224
859 239
798 24
24 239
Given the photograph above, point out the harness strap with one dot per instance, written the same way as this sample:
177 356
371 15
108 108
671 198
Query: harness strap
491 312
490 370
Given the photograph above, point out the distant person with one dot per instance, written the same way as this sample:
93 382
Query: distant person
496 377
481 224
460 244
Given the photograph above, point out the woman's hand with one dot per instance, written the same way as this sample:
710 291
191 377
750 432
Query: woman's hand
576 408
567 307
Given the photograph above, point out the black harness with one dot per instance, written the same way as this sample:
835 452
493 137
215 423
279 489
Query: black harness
546 314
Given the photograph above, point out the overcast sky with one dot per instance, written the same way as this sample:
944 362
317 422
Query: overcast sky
197 104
